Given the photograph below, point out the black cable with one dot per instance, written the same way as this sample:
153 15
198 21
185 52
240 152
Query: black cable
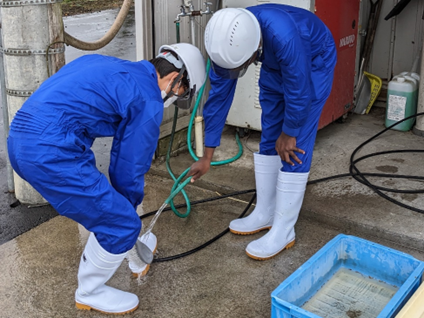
194 250
354 172
201 201
380 175
360 177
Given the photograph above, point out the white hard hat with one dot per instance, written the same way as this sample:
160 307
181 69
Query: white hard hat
232 36
192 59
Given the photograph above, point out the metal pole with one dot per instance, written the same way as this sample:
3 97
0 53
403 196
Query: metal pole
9 170
33 50
419 124
144 29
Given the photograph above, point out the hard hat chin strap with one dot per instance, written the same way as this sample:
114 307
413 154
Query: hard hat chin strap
258 55
175 82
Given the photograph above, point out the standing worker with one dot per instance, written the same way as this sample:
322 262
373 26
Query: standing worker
49 146
298 57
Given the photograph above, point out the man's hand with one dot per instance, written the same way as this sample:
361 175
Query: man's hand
199 168
286 146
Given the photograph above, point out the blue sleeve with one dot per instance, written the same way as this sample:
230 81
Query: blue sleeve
295 63
133 148
217 107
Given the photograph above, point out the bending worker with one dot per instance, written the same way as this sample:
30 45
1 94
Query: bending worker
49 146
298 57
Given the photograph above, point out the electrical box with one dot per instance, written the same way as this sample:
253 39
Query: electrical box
341 17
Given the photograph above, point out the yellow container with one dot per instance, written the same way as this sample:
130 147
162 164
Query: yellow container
376 84
414 308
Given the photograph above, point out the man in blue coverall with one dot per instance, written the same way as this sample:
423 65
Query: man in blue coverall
49 146
298 57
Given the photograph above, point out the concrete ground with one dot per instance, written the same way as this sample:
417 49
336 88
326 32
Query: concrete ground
39 266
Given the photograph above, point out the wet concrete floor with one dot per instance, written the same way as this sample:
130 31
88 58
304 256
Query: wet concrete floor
39 268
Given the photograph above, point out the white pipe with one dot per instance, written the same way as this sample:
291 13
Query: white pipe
193 30
198 133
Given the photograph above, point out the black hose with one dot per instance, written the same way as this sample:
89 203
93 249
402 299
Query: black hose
354 172
397 9
194 250
360 177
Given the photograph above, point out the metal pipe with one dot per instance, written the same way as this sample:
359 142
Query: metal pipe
144 29
192 12
198 123
9 170
419 124
193 30
392 47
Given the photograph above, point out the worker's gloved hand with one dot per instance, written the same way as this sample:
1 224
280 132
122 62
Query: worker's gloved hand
199 168
286 148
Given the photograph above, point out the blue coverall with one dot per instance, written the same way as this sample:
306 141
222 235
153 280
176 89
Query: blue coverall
51 135
298 61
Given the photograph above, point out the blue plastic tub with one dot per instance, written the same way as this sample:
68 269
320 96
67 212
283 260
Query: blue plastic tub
349 255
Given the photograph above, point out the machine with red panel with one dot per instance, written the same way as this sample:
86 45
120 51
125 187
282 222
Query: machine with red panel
341 17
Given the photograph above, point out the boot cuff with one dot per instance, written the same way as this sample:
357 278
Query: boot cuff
99 256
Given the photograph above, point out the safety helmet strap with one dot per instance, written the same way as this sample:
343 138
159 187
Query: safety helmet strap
175 82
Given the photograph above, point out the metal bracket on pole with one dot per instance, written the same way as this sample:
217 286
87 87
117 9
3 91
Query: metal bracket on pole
25 52
18 93
27 3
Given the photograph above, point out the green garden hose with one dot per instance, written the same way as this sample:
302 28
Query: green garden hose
177 187
177 184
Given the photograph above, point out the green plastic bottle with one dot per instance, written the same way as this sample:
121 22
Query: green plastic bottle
402 97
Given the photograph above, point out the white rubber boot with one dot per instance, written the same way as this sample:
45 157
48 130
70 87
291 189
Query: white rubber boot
266 173
290 192
96 267
139 268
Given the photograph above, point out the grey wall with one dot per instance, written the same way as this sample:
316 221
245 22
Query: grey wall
397 40
165 12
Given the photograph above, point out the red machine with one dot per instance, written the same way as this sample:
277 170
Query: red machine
341 17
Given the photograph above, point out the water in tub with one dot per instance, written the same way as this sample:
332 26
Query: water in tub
352 295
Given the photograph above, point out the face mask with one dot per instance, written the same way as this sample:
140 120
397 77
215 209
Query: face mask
170 99
163 92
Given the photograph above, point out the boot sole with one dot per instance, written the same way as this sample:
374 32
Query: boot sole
290 245
86 307
144 273
251 232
